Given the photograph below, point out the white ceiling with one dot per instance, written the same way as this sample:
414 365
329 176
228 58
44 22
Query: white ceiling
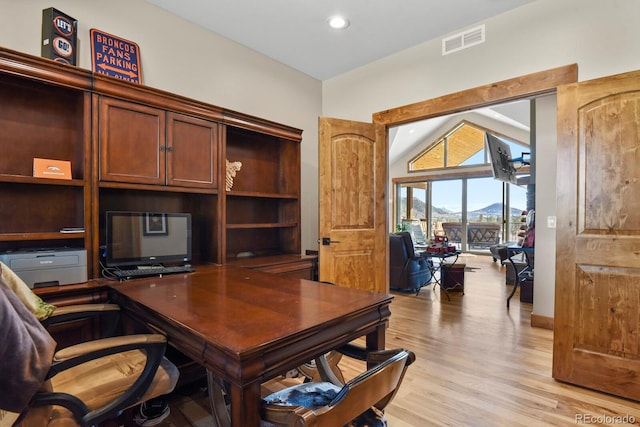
296 33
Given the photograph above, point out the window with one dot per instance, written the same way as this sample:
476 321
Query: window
465 207
463 145
453 198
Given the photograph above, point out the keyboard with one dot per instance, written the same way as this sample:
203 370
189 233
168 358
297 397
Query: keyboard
151 271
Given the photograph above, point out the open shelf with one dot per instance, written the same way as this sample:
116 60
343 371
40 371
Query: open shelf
19 179
8 237
256 194
261 225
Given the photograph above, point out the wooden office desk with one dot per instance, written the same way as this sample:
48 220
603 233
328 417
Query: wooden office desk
247 326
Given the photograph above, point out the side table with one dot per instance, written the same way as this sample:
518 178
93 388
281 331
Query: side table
436 267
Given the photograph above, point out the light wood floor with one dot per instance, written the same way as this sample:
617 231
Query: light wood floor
478 364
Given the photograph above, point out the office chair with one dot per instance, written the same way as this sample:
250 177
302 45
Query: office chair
81 385
359 402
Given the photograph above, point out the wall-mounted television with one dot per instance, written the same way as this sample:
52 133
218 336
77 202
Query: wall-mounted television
501 164
147 238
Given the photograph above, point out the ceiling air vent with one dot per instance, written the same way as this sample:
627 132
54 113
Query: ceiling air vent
463 40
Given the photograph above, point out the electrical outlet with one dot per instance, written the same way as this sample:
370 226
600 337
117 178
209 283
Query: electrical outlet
551 221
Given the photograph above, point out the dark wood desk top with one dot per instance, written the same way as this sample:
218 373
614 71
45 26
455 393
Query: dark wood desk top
248 326
240 310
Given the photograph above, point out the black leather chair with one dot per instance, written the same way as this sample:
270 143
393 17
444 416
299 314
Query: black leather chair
407 270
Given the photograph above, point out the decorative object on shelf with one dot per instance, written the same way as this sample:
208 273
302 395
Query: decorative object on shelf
49 168
59 36
232 169
115 57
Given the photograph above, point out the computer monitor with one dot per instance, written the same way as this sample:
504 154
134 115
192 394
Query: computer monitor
501 164
147 238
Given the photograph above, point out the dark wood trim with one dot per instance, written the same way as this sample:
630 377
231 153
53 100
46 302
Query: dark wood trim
109 86
44 70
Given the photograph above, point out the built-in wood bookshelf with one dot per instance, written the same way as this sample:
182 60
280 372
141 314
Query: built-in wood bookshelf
136 148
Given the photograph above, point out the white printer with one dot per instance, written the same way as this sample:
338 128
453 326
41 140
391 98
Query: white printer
48 267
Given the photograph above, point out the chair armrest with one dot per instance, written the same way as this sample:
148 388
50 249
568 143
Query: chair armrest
393 356
84 311
153 345
373 358
79 311
353 351
87 309
111 345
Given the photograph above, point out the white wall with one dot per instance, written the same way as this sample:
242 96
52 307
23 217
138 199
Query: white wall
182 58
546 167
600 36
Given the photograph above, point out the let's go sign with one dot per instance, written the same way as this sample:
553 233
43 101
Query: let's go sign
115 57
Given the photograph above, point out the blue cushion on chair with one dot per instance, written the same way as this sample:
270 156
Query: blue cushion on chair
316 395
308 395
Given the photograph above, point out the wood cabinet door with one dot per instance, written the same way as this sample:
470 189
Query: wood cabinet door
132 142
192 147
353 204
597 300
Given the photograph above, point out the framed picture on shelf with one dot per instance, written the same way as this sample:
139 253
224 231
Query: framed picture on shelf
155 224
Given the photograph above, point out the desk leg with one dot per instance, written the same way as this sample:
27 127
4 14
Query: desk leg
376 340
245 403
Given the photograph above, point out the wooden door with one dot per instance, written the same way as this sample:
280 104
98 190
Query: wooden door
132 142
597 303
192 146
353 221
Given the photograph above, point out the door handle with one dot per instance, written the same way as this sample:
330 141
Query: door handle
326 241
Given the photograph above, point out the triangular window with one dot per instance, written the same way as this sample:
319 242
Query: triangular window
463 145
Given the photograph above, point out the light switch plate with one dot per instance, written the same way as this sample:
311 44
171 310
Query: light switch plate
551 221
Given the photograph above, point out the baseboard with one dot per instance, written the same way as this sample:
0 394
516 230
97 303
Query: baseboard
543 322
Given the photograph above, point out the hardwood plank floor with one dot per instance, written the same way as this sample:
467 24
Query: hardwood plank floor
478 364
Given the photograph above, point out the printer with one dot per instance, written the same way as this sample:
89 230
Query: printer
48 267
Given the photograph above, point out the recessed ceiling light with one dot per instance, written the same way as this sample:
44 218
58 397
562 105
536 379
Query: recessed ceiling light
338 22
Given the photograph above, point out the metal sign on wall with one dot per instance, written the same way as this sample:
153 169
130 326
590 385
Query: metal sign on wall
115 57
59 36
